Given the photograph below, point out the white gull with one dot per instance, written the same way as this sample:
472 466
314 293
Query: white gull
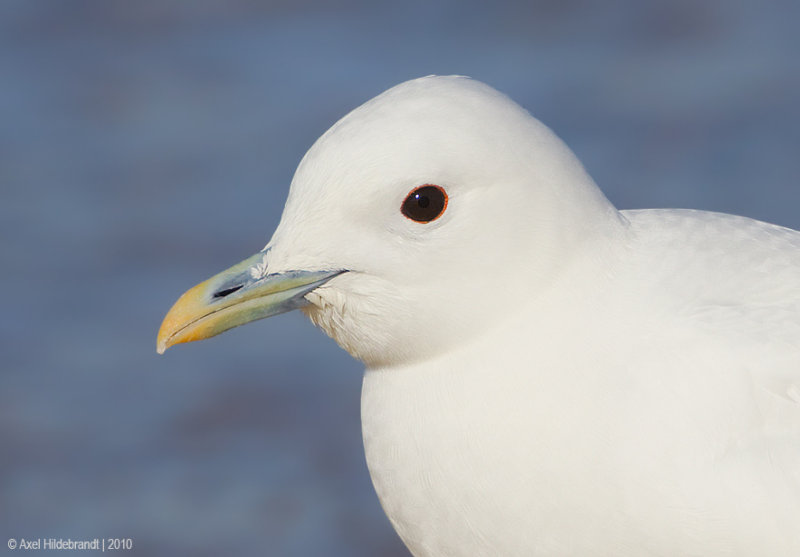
546 375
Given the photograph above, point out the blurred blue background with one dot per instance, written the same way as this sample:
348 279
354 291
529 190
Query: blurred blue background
146 145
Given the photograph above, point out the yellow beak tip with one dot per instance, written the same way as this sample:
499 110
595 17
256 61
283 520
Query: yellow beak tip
161 345
188 308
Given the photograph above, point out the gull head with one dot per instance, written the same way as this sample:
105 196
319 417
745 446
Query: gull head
417 221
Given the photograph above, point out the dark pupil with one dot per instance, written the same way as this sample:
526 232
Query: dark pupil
424 204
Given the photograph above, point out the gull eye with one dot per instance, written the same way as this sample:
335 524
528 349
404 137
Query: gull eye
425 203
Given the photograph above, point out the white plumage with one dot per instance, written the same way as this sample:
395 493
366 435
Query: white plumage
547 375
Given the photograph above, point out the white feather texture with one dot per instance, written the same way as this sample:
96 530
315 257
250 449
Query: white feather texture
547 375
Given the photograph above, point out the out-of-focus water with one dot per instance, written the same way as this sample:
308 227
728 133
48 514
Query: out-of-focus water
147 145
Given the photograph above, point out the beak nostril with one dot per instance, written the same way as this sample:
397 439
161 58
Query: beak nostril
226 291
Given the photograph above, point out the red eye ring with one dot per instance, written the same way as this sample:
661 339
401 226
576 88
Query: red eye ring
425 203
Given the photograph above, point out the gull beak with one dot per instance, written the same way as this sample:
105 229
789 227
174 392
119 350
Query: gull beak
234 297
